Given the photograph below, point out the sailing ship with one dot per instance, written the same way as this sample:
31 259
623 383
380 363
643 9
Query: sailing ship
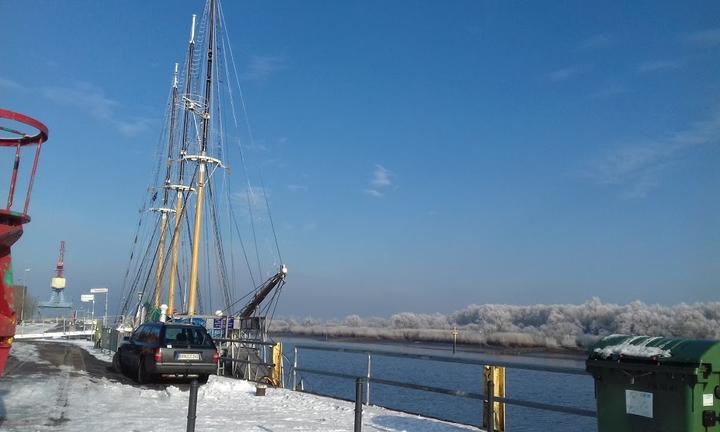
190 255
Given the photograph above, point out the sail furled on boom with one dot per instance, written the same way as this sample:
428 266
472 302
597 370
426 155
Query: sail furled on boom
206 237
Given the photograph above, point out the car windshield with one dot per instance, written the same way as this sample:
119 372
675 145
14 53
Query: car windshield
187 336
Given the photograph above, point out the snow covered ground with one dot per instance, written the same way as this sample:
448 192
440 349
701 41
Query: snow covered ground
69 399
28 328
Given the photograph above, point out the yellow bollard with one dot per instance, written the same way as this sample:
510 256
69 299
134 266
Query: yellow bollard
276 374
497 375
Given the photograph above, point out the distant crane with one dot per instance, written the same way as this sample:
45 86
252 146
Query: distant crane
59 279
57 284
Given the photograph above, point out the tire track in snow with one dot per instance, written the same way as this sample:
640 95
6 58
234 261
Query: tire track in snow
57 415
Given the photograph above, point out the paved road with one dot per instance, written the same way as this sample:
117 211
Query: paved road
61 354
65 354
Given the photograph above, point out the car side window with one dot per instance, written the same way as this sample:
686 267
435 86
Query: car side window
153 335
136 334
140 334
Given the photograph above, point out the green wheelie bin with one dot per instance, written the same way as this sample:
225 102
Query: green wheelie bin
654 384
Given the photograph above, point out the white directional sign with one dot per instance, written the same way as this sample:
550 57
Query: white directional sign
87 297
99 290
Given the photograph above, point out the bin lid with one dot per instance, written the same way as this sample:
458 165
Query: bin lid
662 350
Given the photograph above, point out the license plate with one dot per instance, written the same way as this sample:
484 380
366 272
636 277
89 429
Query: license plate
188 356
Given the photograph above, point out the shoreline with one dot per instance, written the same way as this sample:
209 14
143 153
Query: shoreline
475 348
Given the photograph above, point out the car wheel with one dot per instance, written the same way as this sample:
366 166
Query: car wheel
117 366
203 378
142 377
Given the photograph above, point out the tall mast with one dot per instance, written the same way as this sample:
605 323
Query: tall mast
164 210
202 161
180 188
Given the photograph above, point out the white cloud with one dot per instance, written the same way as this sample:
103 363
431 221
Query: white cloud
638 169
261 67
596 41
704 38
563 74
297 188
133 128
658 66
12 85
255 196
88 98
609 90
381 177
84 96
380 182
375 193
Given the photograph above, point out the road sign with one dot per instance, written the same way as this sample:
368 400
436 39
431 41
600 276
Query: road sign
99 290
87 297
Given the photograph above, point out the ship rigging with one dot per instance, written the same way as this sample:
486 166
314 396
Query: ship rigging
188 247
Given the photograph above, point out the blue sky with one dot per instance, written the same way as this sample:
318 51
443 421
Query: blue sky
419 156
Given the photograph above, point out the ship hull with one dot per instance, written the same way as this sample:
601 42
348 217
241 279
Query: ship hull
11 230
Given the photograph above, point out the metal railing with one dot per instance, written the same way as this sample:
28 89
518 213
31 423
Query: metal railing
227 355
487 396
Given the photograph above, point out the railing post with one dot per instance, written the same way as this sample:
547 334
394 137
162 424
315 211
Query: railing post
192 406
248 369
282 368
367 382
491 406
358 404
295 363
233 364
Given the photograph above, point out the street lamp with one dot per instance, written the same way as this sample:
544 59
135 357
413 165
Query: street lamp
102 291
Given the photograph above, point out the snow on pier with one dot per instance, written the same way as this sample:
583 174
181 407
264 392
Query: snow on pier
54 386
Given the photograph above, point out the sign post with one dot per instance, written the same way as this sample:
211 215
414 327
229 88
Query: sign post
102 291
89 298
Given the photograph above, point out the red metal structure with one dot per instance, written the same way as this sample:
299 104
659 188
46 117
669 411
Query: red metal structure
11 221
61 261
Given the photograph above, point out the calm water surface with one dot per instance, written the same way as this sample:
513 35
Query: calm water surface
561 389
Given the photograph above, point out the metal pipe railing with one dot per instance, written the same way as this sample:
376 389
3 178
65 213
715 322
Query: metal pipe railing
244 341
479 361
245 361
358 405
488 394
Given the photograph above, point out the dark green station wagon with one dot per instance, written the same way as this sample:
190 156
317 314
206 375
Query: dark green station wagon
167 349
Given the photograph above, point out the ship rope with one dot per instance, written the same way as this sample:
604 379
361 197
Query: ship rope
140 236
229 136
251 138
250 195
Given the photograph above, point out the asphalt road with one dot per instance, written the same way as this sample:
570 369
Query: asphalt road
59 354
